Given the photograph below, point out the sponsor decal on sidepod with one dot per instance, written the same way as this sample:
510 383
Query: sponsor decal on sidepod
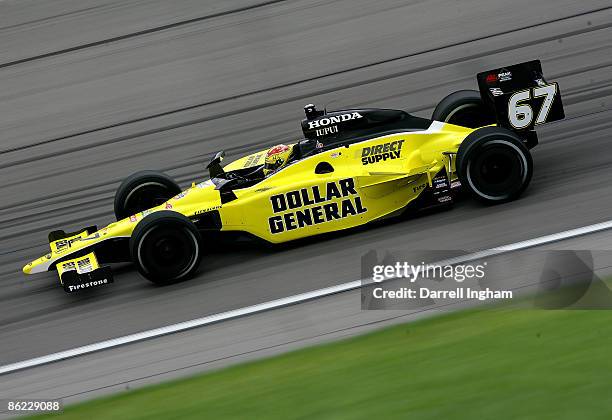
312 206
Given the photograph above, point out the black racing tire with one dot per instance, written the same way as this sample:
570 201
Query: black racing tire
494 165
143 190
464 108
166 247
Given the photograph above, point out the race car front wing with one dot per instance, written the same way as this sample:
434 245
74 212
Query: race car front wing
80 272
83 273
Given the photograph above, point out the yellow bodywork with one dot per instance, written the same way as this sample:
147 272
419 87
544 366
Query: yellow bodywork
280 207
81 265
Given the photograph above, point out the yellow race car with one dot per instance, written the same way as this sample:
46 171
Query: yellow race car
352 167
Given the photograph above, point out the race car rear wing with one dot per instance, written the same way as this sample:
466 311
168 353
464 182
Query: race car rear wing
521 98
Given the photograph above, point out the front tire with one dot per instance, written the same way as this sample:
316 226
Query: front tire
143 190
464 108
494 165
166 247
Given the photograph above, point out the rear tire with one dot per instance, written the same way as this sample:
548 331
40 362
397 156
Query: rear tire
464 108
165 246
143 190
494 165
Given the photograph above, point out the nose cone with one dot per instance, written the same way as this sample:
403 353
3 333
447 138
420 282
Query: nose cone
27 269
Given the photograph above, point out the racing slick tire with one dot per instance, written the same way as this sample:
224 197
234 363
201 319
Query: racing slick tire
166 247
143 190
464 108
494 165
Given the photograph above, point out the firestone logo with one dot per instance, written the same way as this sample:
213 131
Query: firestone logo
333 120
87 285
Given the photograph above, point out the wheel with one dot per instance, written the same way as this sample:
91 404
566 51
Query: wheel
165 246
143 190
494 165
464 108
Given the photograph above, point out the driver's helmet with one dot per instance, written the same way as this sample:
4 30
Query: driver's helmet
276 158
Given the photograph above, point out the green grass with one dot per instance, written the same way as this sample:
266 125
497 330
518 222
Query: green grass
505 363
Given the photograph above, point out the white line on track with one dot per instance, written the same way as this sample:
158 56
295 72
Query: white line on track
290 300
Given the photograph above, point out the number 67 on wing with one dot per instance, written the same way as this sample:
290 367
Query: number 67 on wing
520 96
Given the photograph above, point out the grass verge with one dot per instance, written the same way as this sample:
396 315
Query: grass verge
504 363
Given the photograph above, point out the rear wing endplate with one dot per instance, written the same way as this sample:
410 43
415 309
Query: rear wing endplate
521 97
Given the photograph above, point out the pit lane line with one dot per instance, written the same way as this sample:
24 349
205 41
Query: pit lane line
286 301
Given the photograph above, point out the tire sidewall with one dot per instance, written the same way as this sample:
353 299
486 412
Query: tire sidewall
164 219
480 140
140 180
449 106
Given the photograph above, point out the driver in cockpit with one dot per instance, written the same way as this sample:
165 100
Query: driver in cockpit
276 158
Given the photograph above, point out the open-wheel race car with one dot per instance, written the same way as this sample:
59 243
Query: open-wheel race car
352 167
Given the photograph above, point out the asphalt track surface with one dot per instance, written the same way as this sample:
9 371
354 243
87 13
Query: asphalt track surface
91 91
